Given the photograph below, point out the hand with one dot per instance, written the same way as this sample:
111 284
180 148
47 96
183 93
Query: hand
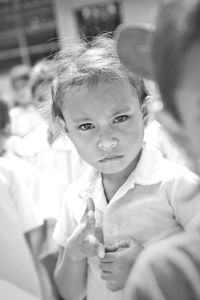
117 263
83 242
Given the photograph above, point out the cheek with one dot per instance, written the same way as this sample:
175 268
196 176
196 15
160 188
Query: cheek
134 132
84 146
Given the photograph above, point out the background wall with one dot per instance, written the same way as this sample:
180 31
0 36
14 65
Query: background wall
132 11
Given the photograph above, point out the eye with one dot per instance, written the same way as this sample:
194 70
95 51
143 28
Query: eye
86 126
120 119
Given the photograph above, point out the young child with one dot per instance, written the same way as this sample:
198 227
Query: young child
19 215
171 52
24 194
131 197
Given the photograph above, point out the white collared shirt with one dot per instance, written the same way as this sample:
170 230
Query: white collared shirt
158 199
18 215
16 196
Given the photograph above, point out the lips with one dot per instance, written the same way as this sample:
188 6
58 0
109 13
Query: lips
111 158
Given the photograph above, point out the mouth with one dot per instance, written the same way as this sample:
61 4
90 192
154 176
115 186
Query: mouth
111 158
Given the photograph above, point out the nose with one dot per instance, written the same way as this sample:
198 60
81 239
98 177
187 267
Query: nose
107 145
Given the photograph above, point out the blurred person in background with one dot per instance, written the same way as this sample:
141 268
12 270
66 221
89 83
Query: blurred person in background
24 116
27 171
55 158
170 54
53 155
29 179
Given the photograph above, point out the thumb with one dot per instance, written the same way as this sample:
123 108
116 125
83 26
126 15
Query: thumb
117 246
90 205
88 217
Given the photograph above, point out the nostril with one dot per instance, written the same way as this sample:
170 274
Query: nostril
107 145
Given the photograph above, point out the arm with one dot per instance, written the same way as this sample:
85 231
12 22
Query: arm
167 270
71 276
35 240
71 270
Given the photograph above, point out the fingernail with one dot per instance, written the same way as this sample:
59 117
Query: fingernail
91 239
90 214
101 252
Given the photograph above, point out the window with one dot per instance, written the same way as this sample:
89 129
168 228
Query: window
27 31
98 18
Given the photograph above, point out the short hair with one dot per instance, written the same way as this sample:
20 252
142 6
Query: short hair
4 114
19 72
82 64
177 28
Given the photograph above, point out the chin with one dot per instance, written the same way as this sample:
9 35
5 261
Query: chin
112 169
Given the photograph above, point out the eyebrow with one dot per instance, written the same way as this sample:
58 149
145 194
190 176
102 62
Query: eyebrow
125 109
81 120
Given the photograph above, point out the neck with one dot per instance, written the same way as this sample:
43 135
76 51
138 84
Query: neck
112 182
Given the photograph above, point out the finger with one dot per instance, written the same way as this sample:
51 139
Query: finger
90 243
124 244
111 248
107 276
100 250
90 223
89 207
90 220
91 240
109 257
96 245
113 286
106 267
116 246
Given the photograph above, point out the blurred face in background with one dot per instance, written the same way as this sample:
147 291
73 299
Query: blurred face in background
22 92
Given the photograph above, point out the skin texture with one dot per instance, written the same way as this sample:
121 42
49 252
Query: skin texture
105 123
108 118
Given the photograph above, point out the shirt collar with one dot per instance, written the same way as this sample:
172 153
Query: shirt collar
93 181
147 172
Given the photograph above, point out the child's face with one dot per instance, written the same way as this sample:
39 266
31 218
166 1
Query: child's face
22 92
188 97
105 124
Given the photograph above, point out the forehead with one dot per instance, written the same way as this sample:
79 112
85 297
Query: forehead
112 95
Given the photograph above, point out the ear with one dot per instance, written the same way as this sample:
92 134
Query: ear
145 114
146 111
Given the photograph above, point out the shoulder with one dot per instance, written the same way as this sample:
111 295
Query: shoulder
154 168
178 172
180 183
